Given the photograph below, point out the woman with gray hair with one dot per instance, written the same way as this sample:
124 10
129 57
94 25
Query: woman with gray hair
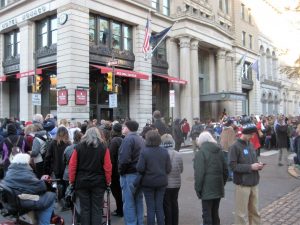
210 173
90 172
171 208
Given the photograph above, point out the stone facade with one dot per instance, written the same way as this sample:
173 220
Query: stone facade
204 48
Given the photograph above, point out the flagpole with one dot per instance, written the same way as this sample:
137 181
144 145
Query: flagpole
162 39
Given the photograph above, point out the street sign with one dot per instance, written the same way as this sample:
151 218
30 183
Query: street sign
36 99
172 98
113 63
113 101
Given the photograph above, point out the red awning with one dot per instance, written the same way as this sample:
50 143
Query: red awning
29 73
3 78
123 73
171 79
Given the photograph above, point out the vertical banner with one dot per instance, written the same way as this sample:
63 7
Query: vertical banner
80 97
172 98
62 97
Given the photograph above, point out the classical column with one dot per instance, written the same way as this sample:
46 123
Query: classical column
73 59
221 71
212 81
140 93
229 105
185 74
173 60
195 97
26 64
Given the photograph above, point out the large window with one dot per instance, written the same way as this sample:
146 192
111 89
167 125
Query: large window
47 32
226 7
243 11
155 4
160 53
166 7
247 71
244 38
12 44
110 33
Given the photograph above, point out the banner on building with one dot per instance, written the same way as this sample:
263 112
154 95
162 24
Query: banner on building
62 96
80 97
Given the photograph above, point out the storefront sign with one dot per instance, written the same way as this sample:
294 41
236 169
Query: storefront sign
172 98
113 101
80 97
25 16
62 96
2 78
29 73
36 99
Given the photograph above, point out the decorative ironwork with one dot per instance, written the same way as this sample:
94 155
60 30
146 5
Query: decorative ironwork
103 54
46 51
12 60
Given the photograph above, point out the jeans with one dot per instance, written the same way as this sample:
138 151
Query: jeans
91 204
171 206
133 207
44 216
154 200
210 211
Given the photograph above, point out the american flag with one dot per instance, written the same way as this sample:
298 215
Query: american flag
146 45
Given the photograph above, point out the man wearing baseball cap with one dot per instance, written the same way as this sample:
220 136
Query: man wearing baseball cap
245 167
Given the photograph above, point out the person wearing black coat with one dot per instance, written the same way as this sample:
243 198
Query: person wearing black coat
115 143
282 140
177 134
22 180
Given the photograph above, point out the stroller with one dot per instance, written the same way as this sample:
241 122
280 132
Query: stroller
70 196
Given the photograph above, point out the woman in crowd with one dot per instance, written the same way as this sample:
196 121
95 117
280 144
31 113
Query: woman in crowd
177 134
171 209
54 160
115 143
154 165
211 173
90 172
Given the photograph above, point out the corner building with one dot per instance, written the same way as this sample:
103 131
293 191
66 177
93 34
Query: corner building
69 43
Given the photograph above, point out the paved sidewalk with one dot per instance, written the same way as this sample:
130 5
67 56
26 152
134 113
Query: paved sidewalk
284 211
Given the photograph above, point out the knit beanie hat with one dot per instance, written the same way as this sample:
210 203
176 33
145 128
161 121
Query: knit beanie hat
167 141
117 127
11 129
132 125
248 126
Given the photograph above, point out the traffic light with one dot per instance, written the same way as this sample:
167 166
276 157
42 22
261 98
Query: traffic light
38 83
108 82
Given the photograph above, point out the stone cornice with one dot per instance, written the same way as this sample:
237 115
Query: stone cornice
73 6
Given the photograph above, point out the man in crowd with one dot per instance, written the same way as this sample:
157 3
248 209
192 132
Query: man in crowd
128 157
197 128
245 167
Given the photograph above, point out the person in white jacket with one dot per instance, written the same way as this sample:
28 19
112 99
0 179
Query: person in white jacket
171 208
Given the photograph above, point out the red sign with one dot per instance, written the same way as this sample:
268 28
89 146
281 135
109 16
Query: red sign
80 97
29 73
2 78
62 96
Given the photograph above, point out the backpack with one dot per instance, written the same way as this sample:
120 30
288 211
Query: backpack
15 149
45 144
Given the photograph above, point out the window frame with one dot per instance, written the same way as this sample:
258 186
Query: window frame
166 7
249 16
243 11
162 46
244 38
156 2
110 34
250 41
49 31
15 44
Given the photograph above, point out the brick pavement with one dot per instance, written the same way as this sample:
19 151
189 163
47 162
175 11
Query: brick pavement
283 211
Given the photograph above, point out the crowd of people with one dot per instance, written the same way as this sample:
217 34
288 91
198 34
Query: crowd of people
91 156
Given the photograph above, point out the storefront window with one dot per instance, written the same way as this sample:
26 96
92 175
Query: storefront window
12 44
109 33
47 32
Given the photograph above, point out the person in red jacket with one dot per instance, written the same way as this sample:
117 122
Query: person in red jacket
90 172
185 127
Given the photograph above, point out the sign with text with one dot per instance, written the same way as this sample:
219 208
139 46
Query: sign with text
29 73
113 101
80 97
36 99
62 96
172 98
113 63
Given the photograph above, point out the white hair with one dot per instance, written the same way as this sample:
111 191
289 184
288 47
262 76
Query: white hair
38 118
21 158
92 137
205 136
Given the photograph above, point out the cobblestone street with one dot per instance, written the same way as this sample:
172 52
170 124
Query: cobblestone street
284 211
